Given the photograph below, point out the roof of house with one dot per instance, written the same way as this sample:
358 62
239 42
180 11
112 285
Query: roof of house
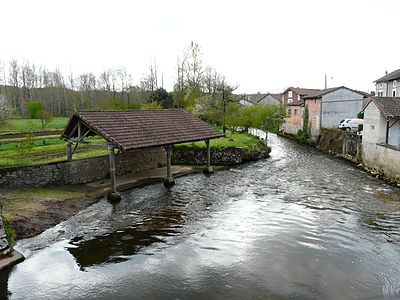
134 129
277 97
391 76
388 106
301 91
253 98
320 93
296 103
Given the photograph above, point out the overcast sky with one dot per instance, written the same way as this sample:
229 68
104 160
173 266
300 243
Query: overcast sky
259 45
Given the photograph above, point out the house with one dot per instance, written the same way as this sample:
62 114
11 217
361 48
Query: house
292 94
270 98
388 85
326 108
250 99
381 135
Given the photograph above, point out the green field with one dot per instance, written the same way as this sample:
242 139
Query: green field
27 125
18 152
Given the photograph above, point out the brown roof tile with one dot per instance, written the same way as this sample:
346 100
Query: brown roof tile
133 129
388 106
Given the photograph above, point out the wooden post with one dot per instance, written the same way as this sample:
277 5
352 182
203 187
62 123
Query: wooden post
387 132
113 195
208 169
69 150
169 181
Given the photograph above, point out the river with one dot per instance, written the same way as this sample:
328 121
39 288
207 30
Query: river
298 225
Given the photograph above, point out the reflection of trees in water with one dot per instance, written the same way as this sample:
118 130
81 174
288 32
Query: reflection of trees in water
114 246
4 275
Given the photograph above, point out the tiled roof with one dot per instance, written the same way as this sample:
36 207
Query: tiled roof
391 76
320 93
302 91
388 106
133 129
277 97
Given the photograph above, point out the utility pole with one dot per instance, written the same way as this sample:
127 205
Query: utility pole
326 82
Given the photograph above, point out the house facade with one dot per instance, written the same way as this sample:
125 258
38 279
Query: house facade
328 107
381 135
325 109
388 85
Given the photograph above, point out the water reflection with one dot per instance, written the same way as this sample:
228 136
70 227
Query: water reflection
300 225
119 245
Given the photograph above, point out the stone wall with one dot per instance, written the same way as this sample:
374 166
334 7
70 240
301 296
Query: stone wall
81 170
223 156
343 143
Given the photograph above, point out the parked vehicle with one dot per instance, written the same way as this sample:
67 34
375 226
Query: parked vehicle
350 124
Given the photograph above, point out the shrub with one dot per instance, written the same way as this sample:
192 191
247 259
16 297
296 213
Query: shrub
34 108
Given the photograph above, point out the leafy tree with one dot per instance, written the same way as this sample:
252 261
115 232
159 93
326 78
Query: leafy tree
45 118
163 97
191 97
34 107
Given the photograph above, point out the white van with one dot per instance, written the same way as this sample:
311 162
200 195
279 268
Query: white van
350 124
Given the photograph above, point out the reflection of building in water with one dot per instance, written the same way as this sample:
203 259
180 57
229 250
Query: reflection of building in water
114 247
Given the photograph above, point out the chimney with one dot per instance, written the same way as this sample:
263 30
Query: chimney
372 94
385 72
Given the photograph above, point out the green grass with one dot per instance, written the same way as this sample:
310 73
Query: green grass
26 125
238 139
42 150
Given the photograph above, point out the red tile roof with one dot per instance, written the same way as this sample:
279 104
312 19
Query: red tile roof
133 129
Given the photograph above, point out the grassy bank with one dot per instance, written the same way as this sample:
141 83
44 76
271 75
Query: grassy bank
238 139
26 125
35 150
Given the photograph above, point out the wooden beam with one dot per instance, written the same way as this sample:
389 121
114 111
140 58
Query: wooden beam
387 132
169 181
113 196
208 169
69 150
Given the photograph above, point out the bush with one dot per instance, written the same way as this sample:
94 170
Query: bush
34 108
302 135
45 118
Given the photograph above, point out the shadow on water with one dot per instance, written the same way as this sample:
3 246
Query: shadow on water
120 245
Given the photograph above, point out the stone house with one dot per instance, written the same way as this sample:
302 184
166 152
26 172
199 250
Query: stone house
249 99
328 107
388 85
381 135
293 121
292 94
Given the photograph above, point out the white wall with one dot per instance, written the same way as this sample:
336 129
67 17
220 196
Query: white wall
375 156
340 104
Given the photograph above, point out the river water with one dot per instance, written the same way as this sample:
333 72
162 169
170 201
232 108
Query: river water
298 225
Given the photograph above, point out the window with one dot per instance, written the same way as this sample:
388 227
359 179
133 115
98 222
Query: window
289 100
298 97
289 112
372 127
380 94
394 93
381 85
290 94
394 83
295 112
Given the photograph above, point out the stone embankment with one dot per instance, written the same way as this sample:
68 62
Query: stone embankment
222 156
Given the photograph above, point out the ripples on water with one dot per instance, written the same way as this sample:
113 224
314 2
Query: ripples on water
299 225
